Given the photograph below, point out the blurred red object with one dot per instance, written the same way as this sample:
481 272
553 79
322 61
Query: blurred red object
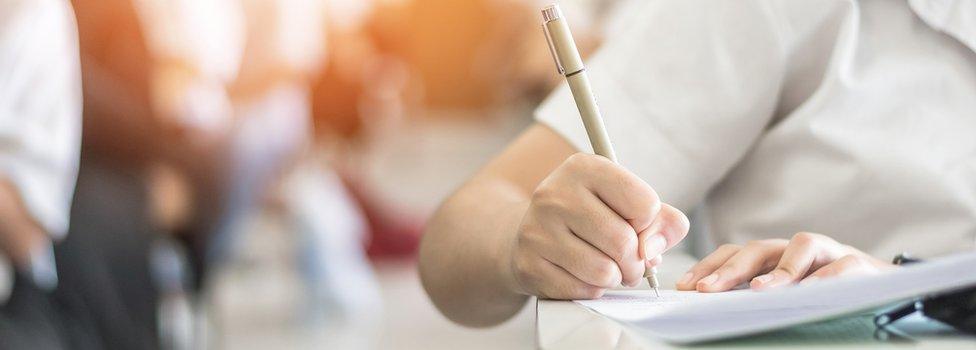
393 234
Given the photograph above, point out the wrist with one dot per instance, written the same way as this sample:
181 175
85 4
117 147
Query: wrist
505 250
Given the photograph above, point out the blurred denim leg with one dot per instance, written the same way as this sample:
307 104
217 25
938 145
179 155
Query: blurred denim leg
272 131
31 320
171 276
103 263
341 285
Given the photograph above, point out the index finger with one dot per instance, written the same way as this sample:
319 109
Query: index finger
805 253
625 193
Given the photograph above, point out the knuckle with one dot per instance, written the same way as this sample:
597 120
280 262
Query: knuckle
643 197
622 243
547 201
605 273
805 238
763 250
531 236
852 259
581 161
789 269
544 193
756 244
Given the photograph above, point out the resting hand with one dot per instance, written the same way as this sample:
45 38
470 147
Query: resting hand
591 225
778 262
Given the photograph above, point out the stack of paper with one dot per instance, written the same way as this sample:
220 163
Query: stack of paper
688 317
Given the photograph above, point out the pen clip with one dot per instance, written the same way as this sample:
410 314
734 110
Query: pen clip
552 50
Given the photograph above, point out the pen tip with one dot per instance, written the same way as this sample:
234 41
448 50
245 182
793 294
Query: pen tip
657 292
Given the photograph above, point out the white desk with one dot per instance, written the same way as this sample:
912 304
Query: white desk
567 325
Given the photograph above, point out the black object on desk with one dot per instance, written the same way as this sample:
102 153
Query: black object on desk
956 309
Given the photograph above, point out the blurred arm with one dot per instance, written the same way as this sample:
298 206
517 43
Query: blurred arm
40 109
20 234
463 263
115 67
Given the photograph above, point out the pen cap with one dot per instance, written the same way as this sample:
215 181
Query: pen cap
561 40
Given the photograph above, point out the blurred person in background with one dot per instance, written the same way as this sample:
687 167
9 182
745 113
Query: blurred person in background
40 121
197 108
155 110
285 52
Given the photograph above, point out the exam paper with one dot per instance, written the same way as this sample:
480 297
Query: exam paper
640 304
691 318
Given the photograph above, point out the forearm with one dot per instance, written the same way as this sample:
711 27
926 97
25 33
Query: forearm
464 256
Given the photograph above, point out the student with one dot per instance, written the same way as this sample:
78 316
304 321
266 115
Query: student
852 119
40 128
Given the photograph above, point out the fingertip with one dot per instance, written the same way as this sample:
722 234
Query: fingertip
672 225
655 262
775 279
755 285
687 282
690 286
681 221
653 246
759 282
708 284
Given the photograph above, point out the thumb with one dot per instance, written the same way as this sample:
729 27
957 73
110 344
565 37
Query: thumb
668 229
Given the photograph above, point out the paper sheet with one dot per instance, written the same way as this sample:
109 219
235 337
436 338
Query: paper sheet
639 304
691 318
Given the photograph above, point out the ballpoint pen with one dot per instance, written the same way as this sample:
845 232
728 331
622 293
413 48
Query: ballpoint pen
570 65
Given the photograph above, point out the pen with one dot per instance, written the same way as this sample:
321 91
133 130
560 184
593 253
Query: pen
570 65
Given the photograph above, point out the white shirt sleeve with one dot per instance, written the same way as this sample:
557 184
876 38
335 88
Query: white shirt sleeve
40 107
685 90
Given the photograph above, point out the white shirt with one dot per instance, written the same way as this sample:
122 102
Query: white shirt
40 117
855 119
40 106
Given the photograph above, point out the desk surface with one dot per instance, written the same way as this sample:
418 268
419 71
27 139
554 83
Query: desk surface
567 325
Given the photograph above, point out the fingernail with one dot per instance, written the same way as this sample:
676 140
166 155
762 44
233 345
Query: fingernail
654 246
764 278
709 280
687 278
809 280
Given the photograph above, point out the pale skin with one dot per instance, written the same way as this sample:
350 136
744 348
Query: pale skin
543 220
19 233
764 264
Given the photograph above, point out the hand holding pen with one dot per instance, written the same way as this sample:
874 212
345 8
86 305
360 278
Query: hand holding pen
591 224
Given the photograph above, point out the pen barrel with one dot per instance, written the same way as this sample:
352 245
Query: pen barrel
563 45
579 85
570 64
